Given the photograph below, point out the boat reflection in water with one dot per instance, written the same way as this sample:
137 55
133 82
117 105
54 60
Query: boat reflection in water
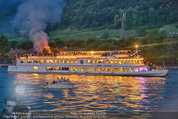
92 93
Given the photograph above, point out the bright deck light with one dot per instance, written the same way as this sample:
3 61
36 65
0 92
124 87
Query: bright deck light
92 52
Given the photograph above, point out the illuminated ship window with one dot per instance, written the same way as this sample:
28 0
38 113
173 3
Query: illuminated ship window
90 61
99 61
49 61
140 61
42 61
107 61
99 69
22 61
73 61
57 68
65 61
56 61
123 61
119 61
125 69
108 69
131 61
136 69
49 68
35 68
115 69
81 69
115 61
128 61
93 61
29 61
73 68
134 62
111 61
141 69
21 67
130 69
65 68
120 69
90 69
35 61
60 61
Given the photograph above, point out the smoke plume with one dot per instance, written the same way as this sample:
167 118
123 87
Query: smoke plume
34 15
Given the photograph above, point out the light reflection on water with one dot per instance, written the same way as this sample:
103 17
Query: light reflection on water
92 93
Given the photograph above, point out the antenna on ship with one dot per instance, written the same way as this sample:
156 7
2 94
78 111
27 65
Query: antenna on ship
164 65
136 52
136 46
123 34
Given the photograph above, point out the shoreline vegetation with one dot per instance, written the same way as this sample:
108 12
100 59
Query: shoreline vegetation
152 25
156 45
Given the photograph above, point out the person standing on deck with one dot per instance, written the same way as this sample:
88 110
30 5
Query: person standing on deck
58 80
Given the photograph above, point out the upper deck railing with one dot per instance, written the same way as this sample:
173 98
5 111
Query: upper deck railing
84 55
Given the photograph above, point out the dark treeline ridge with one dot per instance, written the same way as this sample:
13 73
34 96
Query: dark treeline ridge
107 13
155 46
79 14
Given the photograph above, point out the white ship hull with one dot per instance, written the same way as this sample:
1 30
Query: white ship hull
29 69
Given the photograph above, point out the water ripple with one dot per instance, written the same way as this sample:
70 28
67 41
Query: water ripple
93 93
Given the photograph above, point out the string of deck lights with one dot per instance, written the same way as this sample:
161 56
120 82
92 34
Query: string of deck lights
154 65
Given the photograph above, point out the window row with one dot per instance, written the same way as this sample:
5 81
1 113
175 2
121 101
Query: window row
120 61
49 61
126 61
108 69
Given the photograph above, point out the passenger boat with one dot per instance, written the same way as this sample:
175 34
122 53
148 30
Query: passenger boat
119 62
61 85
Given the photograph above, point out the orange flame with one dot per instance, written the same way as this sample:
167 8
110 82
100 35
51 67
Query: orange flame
47 48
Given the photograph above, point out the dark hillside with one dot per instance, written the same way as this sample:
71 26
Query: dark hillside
103 14
96 13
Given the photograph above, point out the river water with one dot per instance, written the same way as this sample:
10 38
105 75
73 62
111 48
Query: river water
92 92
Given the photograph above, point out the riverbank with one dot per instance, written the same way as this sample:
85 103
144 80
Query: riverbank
172 66
4 65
